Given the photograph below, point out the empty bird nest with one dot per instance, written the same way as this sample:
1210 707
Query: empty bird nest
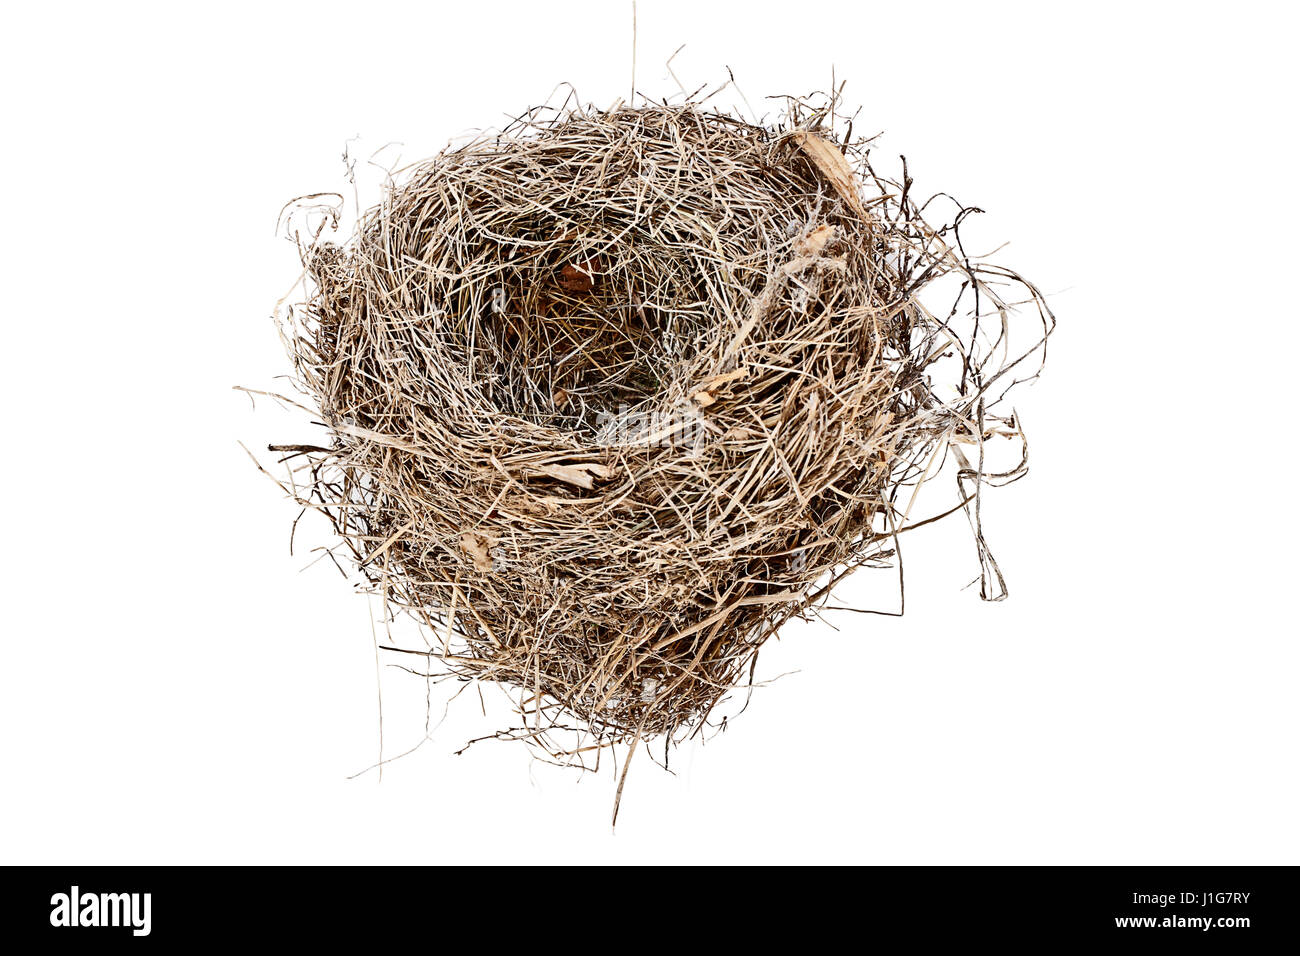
613 394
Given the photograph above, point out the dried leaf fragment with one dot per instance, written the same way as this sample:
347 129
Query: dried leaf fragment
706 394
479 549
813 243
835 169
578 278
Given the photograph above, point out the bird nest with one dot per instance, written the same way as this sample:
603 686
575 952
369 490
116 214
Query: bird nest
612 395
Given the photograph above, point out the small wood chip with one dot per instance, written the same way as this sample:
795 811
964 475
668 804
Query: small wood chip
581 474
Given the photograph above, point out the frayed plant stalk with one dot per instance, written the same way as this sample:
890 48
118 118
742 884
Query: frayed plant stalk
612 395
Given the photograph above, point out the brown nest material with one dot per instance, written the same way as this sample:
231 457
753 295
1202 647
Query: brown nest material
614 394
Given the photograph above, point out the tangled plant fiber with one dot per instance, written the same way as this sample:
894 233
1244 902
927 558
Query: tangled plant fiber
614 394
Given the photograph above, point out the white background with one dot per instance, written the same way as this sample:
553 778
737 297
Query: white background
176 688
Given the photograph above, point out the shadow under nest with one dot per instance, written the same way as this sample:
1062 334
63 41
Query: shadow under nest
614 394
